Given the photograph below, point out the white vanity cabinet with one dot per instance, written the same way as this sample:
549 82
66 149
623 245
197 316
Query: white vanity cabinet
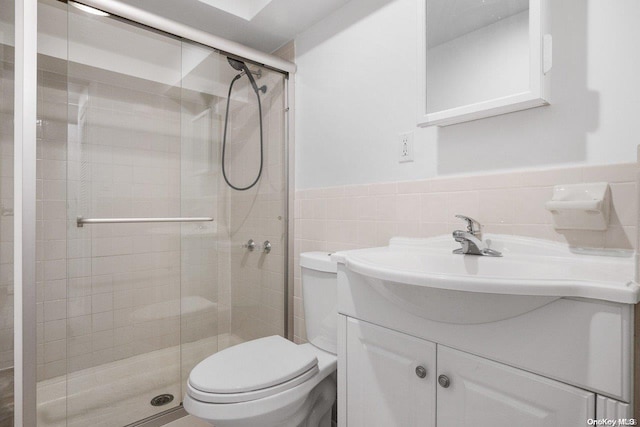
542 336
393 379
390 376
481 393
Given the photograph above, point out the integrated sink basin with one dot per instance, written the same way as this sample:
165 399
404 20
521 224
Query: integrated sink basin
425 278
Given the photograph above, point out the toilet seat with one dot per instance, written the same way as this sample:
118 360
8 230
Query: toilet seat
252 370
269 411
250 395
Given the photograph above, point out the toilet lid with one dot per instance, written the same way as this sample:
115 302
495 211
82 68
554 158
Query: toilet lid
252 366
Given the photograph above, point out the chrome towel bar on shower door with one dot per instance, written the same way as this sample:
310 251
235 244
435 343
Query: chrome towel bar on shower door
80 221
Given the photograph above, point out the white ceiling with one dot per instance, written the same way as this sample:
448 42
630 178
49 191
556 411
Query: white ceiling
275 24
245 9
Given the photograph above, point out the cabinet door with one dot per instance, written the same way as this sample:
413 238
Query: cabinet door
482 393
384 388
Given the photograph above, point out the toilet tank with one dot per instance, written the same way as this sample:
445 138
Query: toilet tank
319 293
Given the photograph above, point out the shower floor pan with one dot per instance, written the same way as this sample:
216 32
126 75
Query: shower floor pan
119 393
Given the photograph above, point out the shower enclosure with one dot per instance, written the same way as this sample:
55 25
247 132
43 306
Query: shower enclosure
142 267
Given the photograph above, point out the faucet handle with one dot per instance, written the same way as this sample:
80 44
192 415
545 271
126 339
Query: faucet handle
473 226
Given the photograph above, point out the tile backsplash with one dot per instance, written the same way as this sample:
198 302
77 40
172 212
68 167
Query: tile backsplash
357 216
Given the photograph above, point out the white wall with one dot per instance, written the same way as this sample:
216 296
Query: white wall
356 90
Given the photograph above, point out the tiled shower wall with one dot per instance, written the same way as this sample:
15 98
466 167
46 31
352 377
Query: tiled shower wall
108 292
91 285
351 217
124 279
257 278
51 227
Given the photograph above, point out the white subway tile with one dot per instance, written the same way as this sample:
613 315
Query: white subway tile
102 302
411 187
386 208
54 369
366 232
462 203
549 177
428 229
383 188
624 204
55 330
584 238
619 237
78 326
496 207
450 184
529 205
56 269
55 310
55 350
408 207
366 207
102 340
385 231
102 321
80 306
356 190
433 207
617 173
55 290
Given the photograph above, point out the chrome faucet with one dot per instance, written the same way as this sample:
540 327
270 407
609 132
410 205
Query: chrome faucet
471 239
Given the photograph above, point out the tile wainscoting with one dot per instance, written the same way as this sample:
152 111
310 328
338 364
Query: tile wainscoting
357 216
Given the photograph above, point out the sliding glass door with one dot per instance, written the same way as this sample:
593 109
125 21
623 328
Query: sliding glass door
7 83
142 272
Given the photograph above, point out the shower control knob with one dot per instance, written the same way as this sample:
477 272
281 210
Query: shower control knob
421 371
267 246
444 381
251 245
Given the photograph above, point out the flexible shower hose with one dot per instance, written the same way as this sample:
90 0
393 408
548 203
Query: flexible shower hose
224 139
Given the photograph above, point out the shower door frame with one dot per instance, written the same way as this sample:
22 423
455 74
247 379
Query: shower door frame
26 36
24 225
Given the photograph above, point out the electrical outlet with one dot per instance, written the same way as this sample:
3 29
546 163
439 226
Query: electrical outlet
405 147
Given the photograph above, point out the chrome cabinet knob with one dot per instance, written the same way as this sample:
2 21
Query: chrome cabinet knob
421 371
267 246
444 381
251 245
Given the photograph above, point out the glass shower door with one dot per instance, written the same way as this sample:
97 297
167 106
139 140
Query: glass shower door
124 279
203 266
6 209
132 126
247 288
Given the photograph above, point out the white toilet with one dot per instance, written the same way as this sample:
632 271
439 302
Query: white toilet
272 381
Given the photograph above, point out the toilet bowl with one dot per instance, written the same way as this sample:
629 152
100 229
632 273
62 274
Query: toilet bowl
271 381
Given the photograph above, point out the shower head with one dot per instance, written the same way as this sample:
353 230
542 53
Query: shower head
241 66
238 65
